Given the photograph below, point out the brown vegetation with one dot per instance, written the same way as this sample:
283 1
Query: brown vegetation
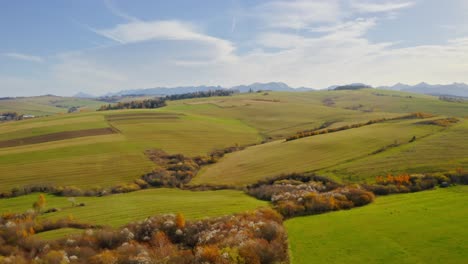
305 194
444 122
250 238
56 136
309 133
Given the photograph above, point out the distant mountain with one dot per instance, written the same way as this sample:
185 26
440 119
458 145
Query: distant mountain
272 86
165 90
455 89
84 95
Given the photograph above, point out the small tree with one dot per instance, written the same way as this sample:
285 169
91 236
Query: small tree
40 203
180 220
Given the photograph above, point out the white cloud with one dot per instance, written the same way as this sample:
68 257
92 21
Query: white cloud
332 49
298 14
139 31
373 7
24 57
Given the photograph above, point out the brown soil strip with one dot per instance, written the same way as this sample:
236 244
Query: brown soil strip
56 137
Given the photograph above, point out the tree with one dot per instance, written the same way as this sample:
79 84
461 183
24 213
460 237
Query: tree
40 203
180 220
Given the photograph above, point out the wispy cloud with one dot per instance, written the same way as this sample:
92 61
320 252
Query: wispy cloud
140 31
23 57
116 11
373 7
298 14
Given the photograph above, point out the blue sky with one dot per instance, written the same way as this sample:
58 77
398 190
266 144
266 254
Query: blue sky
98 46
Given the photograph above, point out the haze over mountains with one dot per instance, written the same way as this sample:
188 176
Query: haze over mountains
455 89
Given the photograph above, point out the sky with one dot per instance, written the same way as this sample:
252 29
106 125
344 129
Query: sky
100 46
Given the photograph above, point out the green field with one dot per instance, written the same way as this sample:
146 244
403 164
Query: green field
47 105
58 233
198 126
425 227
108 160
283 113
441 152
119 209
310 153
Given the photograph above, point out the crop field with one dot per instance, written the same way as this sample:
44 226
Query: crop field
107 159
119 209
425 227
310 153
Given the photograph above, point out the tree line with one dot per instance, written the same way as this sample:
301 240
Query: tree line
161 101
320 131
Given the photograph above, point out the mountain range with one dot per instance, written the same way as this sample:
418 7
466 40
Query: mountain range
455 89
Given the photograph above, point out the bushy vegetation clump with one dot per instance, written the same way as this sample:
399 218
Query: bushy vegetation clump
297 194
252 237
405 183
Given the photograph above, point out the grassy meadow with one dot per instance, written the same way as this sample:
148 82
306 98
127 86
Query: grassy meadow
119 209
108 160
198 126
425 227
310 153
439 152
58 233
46 105
410 228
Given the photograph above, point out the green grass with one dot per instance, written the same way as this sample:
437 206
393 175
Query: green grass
58 233
207 124
309 153
425 227
395 102
276 114
109 159
49 125
47 105
119 209
441 152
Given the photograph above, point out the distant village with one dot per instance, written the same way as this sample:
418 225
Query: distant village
13 116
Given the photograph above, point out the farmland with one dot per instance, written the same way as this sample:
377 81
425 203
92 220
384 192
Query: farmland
310 153
99 150
46 105
426 227
111 159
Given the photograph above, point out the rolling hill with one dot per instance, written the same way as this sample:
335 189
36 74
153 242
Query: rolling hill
46 105
426 227
107 148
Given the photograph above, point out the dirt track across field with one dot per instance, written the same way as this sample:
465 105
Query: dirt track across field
56 137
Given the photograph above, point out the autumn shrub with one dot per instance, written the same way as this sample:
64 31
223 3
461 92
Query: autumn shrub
251 237
359 197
